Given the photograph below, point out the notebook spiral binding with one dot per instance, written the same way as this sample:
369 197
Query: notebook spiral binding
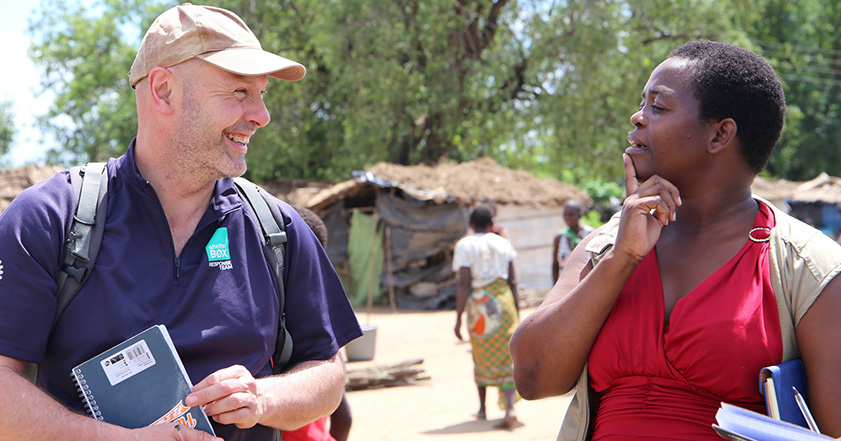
86 395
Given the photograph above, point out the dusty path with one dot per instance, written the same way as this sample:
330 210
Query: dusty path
440 408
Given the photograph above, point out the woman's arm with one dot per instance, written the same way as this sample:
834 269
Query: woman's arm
820 349
551 345
512 282
462 291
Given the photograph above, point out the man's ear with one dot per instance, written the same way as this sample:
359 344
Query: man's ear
162 84
724 137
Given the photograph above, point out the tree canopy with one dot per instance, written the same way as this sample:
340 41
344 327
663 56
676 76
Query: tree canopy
546 86
7 127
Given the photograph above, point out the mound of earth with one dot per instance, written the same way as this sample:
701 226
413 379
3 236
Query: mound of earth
481 180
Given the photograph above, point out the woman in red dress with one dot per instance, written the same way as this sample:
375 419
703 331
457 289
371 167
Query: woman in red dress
680 314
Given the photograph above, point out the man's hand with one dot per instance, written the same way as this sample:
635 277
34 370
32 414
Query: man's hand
649 207
230 396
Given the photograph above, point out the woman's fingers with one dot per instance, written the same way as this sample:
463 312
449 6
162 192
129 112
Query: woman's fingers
660 197
631 181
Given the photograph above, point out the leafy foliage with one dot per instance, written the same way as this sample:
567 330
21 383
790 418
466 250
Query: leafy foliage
541 85
86 54
7 127
800 38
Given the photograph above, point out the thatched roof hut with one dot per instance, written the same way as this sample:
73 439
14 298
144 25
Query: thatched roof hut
420 212
14 181
470 183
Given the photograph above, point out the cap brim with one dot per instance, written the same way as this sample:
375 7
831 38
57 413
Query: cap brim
252 61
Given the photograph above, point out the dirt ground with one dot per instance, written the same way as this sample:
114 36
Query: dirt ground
440 408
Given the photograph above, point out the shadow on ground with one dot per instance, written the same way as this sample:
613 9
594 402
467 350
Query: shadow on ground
476 426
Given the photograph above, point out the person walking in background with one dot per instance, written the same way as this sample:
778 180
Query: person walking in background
677 303
566 239
487 290
341 419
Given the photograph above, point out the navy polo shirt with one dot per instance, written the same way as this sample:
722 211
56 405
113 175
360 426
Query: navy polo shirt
217 298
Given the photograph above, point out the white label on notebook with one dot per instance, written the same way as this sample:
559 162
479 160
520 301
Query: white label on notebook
128 362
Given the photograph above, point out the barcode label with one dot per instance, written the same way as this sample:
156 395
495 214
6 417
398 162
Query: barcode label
127 363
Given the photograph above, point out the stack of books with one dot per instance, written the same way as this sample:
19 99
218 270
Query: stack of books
788 417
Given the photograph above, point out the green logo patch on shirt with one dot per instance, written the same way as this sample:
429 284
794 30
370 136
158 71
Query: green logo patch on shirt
217 248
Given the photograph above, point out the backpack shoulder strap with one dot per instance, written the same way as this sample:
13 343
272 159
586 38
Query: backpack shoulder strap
90 189
90 185
272 227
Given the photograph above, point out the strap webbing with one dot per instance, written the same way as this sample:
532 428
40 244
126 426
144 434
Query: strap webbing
273 247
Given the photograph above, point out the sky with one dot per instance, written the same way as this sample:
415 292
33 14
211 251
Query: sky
19 84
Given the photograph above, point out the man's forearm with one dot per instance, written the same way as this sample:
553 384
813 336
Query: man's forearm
307 392
29 414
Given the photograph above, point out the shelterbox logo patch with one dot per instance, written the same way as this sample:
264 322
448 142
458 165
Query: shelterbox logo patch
218 251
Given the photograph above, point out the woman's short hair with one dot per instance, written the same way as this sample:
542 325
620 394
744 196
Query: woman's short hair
732 82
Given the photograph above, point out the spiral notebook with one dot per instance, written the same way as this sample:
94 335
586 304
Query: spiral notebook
140 382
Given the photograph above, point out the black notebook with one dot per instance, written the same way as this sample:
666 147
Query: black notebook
140 382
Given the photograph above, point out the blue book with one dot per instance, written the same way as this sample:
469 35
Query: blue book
140 382
776 382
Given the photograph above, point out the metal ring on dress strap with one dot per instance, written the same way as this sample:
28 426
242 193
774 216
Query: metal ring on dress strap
767 238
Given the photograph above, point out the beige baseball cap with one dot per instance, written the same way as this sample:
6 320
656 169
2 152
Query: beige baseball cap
212 34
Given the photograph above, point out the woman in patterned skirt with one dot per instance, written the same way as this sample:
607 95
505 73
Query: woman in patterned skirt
487 289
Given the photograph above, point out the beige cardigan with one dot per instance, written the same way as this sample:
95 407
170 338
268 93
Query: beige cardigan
803 261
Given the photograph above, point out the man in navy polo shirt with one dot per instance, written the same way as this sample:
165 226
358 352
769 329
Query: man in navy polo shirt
178 249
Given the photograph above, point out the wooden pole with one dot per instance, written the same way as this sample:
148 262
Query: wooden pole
389 270
371 267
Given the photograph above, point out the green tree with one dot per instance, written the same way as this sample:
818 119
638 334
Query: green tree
7 127
541 85
86 53
800 38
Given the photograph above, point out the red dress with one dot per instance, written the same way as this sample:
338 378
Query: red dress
659 381
314 431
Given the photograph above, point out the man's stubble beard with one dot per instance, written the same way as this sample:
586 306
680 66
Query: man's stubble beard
197 150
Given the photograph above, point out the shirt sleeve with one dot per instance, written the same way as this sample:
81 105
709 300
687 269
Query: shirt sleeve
32 231
461 256
319 316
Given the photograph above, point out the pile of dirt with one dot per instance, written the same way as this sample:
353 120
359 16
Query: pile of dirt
294 191
482 180
14 181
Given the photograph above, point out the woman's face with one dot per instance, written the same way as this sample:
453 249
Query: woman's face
668 138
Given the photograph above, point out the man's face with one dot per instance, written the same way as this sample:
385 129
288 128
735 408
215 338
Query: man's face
219 113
